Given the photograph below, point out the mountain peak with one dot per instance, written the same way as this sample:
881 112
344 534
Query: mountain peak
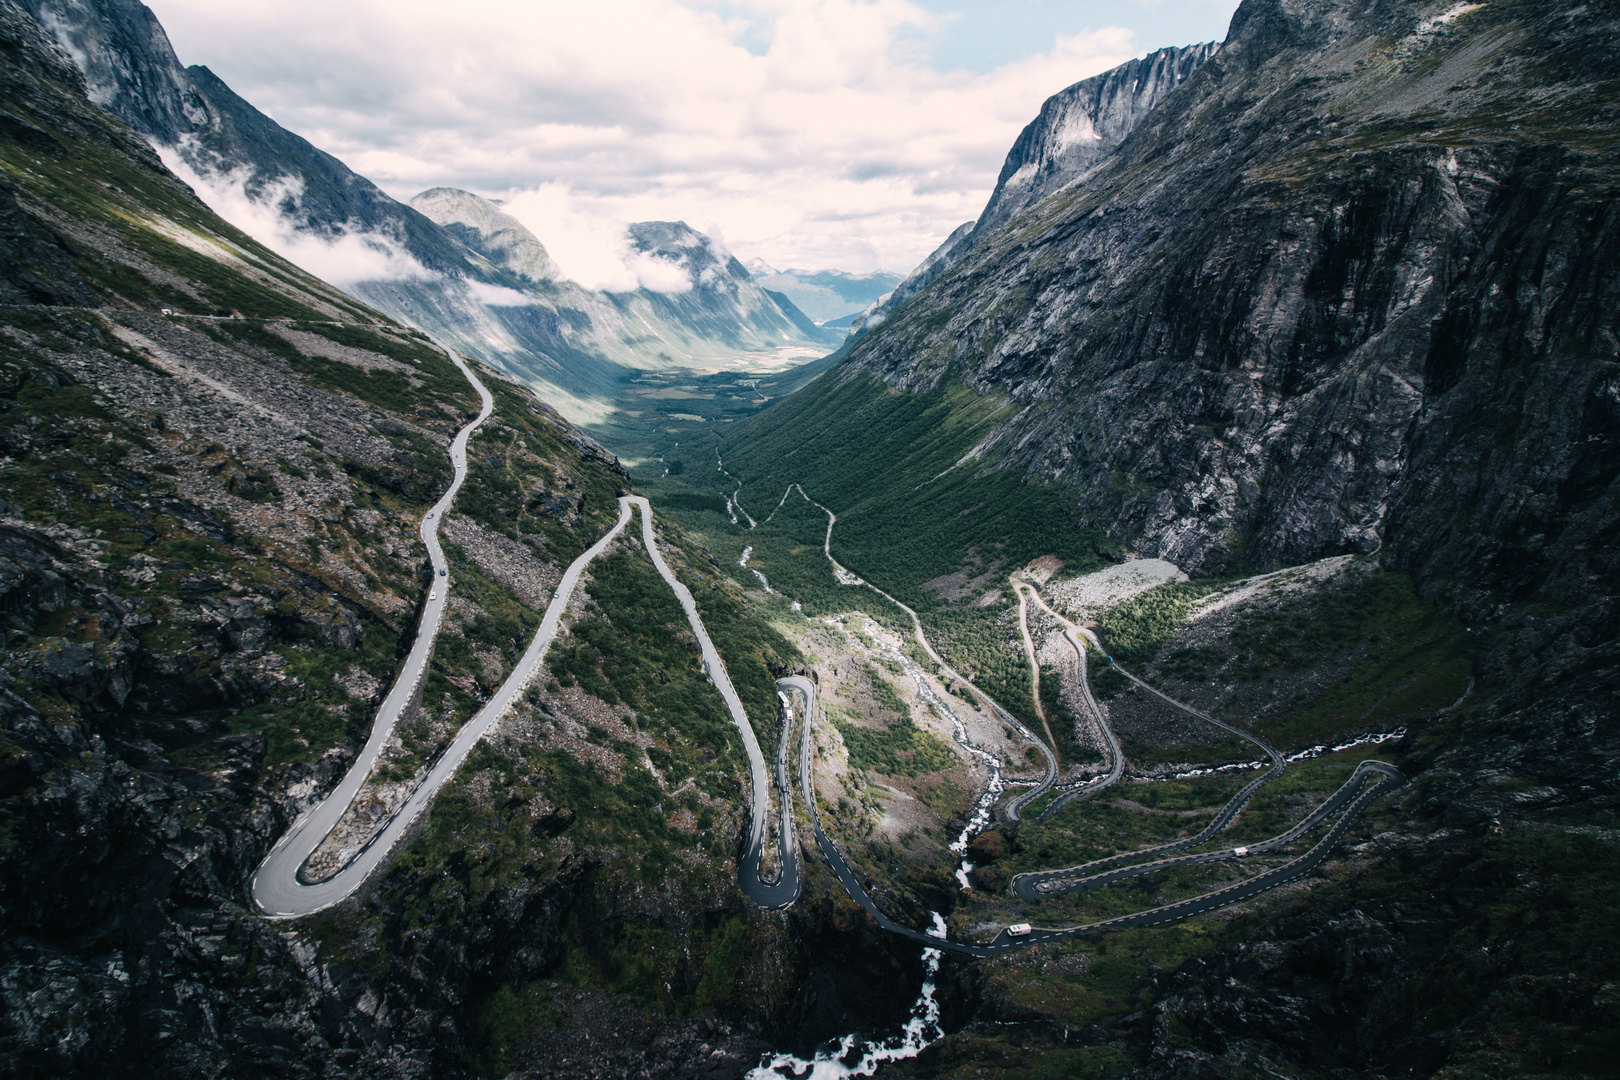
706 260
483 226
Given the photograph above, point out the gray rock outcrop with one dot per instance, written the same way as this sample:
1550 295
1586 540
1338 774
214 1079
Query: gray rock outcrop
1077 128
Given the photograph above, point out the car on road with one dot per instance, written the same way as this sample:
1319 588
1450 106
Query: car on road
1240 851
434 595
1019 929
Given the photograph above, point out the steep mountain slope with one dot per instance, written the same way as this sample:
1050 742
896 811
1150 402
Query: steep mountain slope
1265 328
209 574
1083 124
1350 289
572 343
130 69
1077 127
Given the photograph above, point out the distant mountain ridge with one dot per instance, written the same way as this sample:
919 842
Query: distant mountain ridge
486 284
482 226
826 296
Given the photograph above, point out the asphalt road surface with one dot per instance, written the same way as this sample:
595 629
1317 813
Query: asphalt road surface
278 890
1351 799
275 886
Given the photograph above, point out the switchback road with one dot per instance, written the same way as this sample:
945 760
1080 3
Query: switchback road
275 887
1348 802
278 890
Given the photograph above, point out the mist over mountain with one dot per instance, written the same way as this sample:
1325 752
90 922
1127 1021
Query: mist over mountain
456 271
480 224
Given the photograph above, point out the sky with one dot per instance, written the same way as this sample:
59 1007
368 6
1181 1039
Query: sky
815 134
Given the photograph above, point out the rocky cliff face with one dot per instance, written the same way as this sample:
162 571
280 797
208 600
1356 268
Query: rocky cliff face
1077 128
1083 124
1351 288
1345 288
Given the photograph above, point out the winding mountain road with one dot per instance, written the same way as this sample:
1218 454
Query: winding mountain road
1071 634
275 886
1348 802
279 891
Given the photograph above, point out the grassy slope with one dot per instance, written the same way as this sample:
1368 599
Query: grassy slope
125 217
883 461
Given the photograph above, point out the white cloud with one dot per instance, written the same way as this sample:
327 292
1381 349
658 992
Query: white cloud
497 295
588 244
342 260
835 144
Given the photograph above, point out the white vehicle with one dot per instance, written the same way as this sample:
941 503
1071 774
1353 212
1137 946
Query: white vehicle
1240 851
166 311
434 595
1019 929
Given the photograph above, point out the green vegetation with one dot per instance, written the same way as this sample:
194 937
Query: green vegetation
1406 659
515 487
1537 959
690 501
435 378
676 969
1081 989
883 461
753 652
631 652
1415 660
640 641
875 456
885 694
979 643
302 724
654 425
1133 631
901 749
126 222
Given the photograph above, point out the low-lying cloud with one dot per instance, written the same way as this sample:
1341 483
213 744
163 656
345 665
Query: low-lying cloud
815 131
497 295
591 248
343 260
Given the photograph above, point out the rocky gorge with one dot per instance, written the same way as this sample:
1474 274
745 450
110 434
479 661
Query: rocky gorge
1341 292
1335 295
214 470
